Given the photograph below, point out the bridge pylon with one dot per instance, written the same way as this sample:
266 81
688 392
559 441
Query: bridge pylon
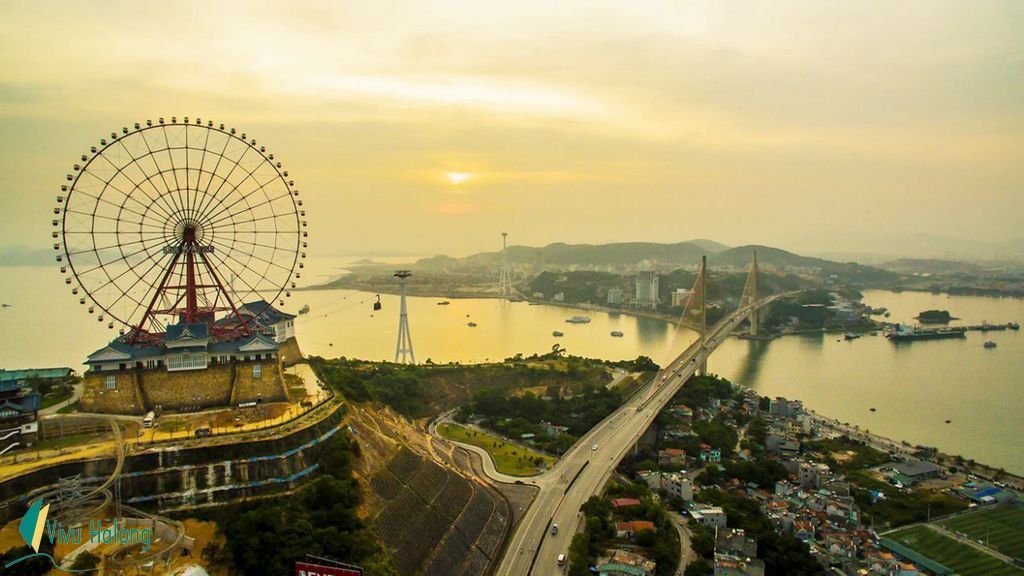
749 296
695 312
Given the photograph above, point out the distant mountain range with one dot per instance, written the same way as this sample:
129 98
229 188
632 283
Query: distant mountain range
642 254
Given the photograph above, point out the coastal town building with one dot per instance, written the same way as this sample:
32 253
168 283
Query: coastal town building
647 290
622 562
614 296
680 296
710 516
19 407
914 471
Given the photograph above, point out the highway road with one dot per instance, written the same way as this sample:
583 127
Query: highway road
584 470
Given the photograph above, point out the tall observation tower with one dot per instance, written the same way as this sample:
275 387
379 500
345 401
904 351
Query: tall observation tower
505 281
404 346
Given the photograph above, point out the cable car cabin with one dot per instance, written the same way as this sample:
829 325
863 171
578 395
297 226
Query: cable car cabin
377 304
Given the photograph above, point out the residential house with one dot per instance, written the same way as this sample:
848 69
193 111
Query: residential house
631 529
710 516
671 457
625 502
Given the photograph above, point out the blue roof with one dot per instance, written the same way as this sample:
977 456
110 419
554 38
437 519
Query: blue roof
44 373
135 352
235 345
197 331
265 312
27 403
987 492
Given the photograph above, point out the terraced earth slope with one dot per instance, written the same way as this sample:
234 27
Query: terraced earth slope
436 521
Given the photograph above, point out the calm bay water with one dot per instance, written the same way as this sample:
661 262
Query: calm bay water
915 387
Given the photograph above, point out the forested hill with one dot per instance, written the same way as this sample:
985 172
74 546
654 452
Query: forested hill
650 254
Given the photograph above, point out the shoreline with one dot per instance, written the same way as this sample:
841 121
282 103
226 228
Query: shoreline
885 444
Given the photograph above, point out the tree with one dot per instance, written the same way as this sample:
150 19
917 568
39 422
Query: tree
579 563
37 566
85 561
698 567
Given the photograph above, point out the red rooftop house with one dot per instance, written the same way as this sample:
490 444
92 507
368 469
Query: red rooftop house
671 457
631 529
625 502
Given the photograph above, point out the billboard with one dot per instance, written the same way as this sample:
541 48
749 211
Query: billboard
307 569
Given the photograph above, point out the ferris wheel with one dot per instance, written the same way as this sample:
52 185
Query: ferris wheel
178 221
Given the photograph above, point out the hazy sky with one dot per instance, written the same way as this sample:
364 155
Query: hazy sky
811 126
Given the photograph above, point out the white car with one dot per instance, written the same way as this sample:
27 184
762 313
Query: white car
593 447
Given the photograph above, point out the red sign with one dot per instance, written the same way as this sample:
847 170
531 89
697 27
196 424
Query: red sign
307 569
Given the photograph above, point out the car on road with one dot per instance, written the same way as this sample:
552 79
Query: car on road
554 529
593 447
561 559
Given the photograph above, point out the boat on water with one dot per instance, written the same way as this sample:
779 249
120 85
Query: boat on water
851 336
616 334
578 320
990 344
557 334
304 309
443 303
471 324
904 333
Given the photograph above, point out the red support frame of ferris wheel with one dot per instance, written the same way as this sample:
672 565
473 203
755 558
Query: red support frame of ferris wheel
190 247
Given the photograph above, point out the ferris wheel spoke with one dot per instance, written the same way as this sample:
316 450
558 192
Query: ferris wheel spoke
100 198
220 207
97 249
174 171
238 277
100 216
121 170
273 218
159 170
249 207
236 163
206 191
256 244
100 265
264 260
202 163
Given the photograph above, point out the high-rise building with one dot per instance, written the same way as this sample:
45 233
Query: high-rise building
615 296
646 290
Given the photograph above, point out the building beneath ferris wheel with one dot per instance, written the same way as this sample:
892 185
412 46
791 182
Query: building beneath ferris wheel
190 368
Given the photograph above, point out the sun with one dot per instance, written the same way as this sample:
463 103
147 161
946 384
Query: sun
457 178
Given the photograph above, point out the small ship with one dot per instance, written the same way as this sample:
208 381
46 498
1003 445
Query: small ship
904 333
578 320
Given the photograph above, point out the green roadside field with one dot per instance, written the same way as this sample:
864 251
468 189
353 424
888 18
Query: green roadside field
508 458
1001 527
965 559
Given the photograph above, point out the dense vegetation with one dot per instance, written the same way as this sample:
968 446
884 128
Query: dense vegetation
37 566
515 415
661 546
426 389
267 537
